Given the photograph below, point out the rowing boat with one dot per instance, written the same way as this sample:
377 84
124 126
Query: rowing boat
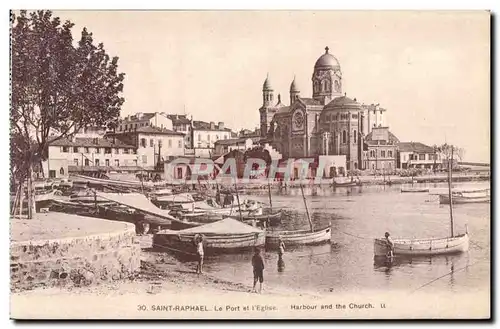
299 237
423 247
346 184
462 199
414 190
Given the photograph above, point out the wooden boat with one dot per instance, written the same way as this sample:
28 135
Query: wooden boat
269 219
414 190
226 235
462 199
346 184
299 237
423 247
426 247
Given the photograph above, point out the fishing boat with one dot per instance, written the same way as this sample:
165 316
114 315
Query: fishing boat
462 198
414 190
424 247
427 246
226 235
300 237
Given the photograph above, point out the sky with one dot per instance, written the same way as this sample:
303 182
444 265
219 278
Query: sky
430 70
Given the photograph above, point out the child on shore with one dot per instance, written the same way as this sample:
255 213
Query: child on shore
258 270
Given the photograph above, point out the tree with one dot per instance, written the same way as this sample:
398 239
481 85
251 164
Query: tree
446 151
57 88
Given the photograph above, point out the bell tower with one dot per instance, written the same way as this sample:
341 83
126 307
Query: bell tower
294 92
327 78
266 114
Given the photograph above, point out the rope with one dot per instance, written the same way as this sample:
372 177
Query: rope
442 276
356 236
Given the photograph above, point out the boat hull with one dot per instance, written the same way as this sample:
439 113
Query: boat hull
423 247
414 190
445 199
301 237
213 243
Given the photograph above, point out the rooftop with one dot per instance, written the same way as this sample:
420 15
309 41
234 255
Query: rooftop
139 116
234 141
202 125
309 101
391 138
414 147
149 130
179 119
91 142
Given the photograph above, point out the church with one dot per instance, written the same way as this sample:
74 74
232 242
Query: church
328 123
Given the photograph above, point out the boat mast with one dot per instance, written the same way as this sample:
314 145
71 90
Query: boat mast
269 192
237 196
307 211
450 166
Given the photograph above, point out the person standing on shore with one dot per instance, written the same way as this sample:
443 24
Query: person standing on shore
258 270
281 248
198 240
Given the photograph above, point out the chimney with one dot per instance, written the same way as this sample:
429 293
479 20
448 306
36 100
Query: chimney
139 115
221 125
212 125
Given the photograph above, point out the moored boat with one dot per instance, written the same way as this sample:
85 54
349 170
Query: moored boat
462 199
423 247
390 248
299 237
414 190
346 184
226 235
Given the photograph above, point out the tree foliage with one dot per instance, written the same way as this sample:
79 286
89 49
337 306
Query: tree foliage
58 87
258 152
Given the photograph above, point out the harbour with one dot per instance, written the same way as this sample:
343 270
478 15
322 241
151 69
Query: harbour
347 264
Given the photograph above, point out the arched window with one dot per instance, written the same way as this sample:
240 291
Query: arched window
316 86
355 165
61 171
344 137
355 137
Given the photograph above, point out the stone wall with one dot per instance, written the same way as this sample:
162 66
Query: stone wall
75 261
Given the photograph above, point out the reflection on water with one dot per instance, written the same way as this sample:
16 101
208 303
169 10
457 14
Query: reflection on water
358 215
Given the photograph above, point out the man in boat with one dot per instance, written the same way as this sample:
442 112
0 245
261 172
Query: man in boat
390 244
198 240
258 270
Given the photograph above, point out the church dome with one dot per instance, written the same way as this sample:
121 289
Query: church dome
293 87
343 103
267 84
327 60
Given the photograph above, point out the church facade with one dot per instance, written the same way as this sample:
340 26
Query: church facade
328 123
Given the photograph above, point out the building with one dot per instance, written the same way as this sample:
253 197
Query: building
89 155
182 124
417 155
153 144
328 123
205 134
224 146
381 150
138 120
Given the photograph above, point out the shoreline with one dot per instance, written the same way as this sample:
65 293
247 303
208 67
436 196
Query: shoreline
166 288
